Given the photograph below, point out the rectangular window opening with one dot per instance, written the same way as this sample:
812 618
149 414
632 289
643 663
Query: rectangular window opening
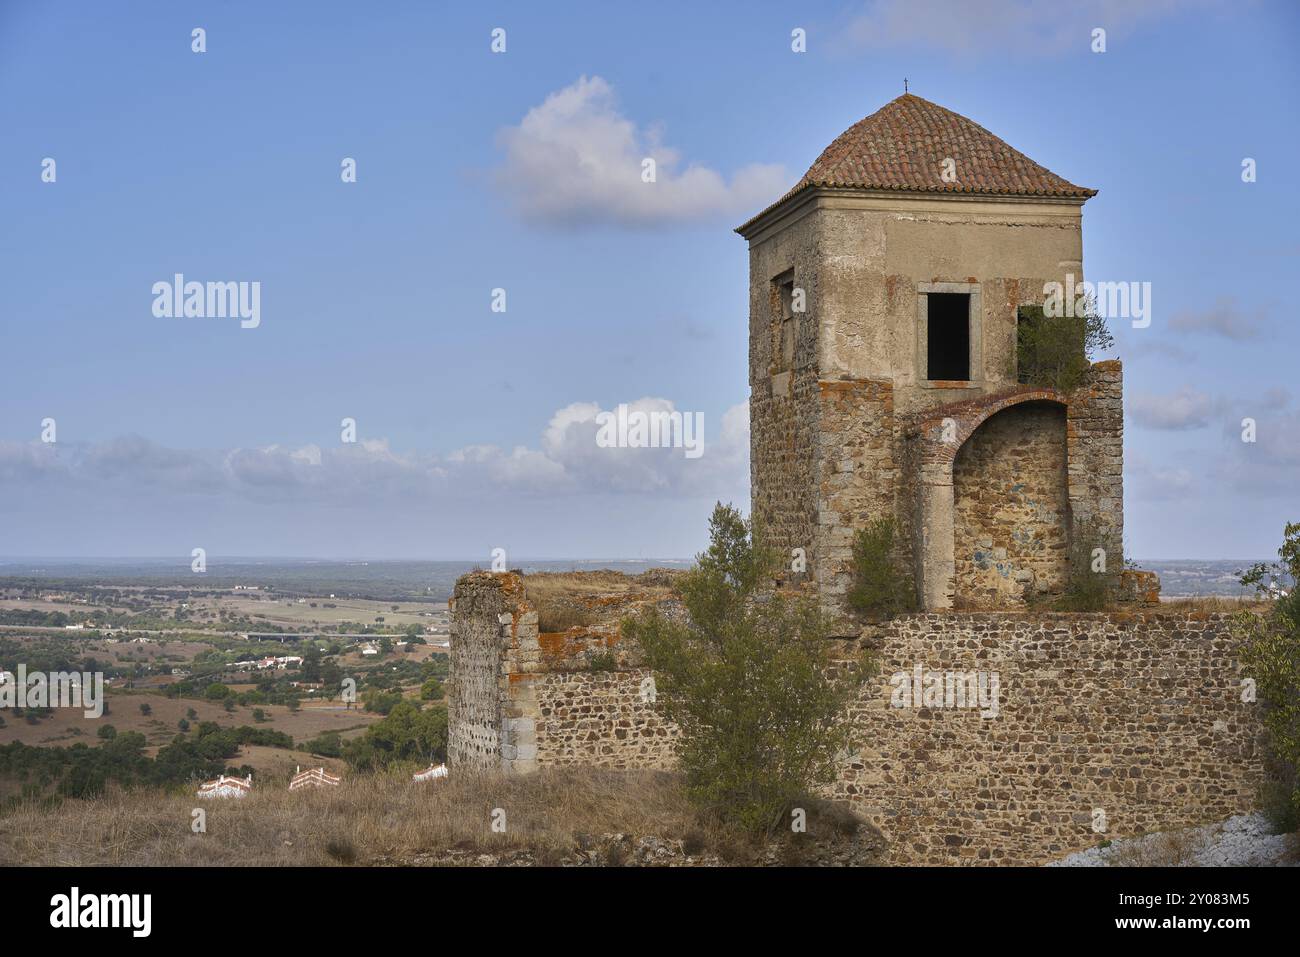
948 336
783 321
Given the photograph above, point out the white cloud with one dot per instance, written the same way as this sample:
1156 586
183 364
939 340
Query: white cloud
28 461
1269 466
567 461
1225 318
576 159
1185 409
1151 482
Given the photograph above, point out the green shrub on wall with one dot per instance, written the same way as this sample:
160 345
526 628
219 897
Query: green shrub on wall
1055 351
880 589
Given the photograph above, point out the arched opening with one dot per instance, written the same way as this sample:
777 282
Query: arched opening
1011 508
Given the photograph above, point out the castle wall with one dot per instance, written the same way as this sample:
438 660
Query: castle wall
1132 722
605 718
1136 716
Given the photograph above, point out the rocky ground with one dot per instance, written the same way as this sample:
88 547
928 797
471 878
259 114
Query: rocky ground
1241 841
623 850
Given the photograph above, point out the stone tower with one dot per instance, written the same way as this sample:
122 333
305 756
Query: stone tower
884 292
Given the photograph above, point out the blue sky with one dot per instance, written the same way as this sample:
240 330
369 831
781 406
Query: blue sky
474 427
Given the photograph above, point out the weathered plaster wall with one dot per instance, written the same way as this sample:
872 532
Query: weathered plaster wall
1011 519
876 251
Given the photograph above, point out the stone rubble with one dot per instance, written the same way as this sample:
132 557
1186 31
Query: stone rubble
1245 840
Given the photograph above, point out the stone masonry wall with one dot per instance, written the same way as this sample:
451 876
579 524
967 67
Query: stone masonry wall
603 718
1136 716
782 462
783 390
1011 525
857 478
1095 440
1132 722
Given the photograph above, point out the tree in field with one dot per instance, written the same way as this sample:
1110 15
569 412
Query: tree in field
750 681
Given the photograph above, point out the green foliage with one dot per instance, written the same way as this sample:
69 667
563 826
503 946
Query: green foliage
749 681
1271 655
431 690
106 732
84 772
406 734
1055 351
880 589
381 702
328 745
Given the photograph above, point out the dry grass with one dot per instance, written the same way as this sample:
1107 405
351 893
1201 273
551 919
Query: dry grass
576 599
368 819
1167 849
1213 603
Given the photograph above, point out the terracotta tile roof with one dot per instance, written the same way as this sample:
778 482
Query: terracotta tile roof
902 146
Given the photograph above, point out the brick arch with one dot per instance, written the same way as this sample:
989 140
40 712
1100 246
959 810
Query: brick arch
935 533
969 416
